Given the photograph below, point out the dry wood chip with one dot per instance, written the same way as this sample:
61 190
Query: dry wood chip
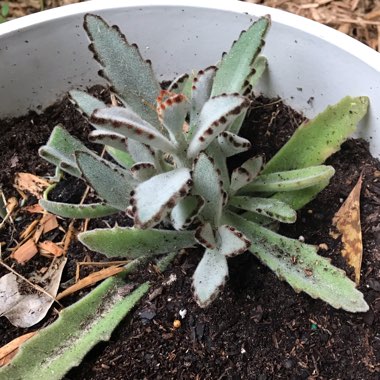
34 209
8 351
347 223
31 183
91 279
25 252
49 222
29 230
50 247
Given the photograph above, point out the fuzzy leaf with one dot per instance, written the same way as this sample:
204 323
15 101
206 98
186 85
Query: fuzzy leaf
236 66
290 180
215 117
131 77
62 345
259 67
209 277
231 242
86 211
178 84
299 198
109 181
301 267
245 173
208 185
109 138
141 152
122 158
132 243
143 171
86 102
127 123
154 198
201 90
312 143
205 236
185 211
232 144
60 149
174 110
271 208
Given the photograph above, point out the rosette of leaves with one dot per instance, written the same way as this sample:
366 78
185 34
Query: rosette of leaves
168 173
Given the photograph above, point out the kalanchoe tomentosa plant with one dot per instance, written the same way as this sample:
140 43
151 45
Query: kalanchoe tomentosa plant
171 175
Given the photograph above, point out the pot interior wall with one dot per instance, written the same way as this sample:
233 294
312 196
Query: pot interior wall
43 61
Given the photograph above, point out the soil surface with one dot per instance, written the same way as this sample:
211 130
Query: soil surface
258 328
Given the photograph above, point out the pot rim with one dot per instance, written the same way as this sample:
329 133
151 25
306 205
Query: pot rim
339 39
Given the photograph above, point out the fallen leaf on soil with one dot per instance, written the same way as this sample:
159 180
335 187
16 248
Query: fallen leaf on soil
91 279
25 305
31 183
347 223
50 247
25 252
8 351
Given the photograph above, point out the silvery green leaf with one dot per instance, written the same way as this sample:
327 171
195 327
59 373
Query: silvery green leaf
201 91
173 113
271 208
132 243
208 185
122 158
259 66
153 199
289 180
109 138
110 182
141 152
301 267
185 211
127 123
215 117
178 84
205 236
236 66
231 242
261 219
232 144
131 77
75 211
86 102
143 171
3 206
245 173
60 150
209 277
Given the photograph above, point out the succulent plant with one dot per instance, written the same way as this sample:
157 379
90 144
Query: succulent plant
169 173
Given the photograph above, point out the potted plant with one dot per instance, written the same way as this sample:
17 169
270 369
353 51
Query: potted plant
141 216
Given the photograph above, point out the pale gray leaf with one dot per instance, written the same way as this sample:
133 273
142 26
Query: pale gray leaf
185 211
232 144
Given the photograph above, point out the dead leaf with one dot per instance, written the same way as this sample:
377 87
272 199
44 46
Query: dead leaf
25 305
25 252
31 183
347 223
50 247
91 279
8 351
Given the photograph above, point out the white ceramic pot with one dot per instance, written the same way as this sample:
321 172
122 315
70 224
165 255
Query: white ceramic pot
310 65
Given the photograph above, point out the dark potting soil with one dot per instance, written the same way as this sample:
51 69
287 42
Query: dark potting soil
258 328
